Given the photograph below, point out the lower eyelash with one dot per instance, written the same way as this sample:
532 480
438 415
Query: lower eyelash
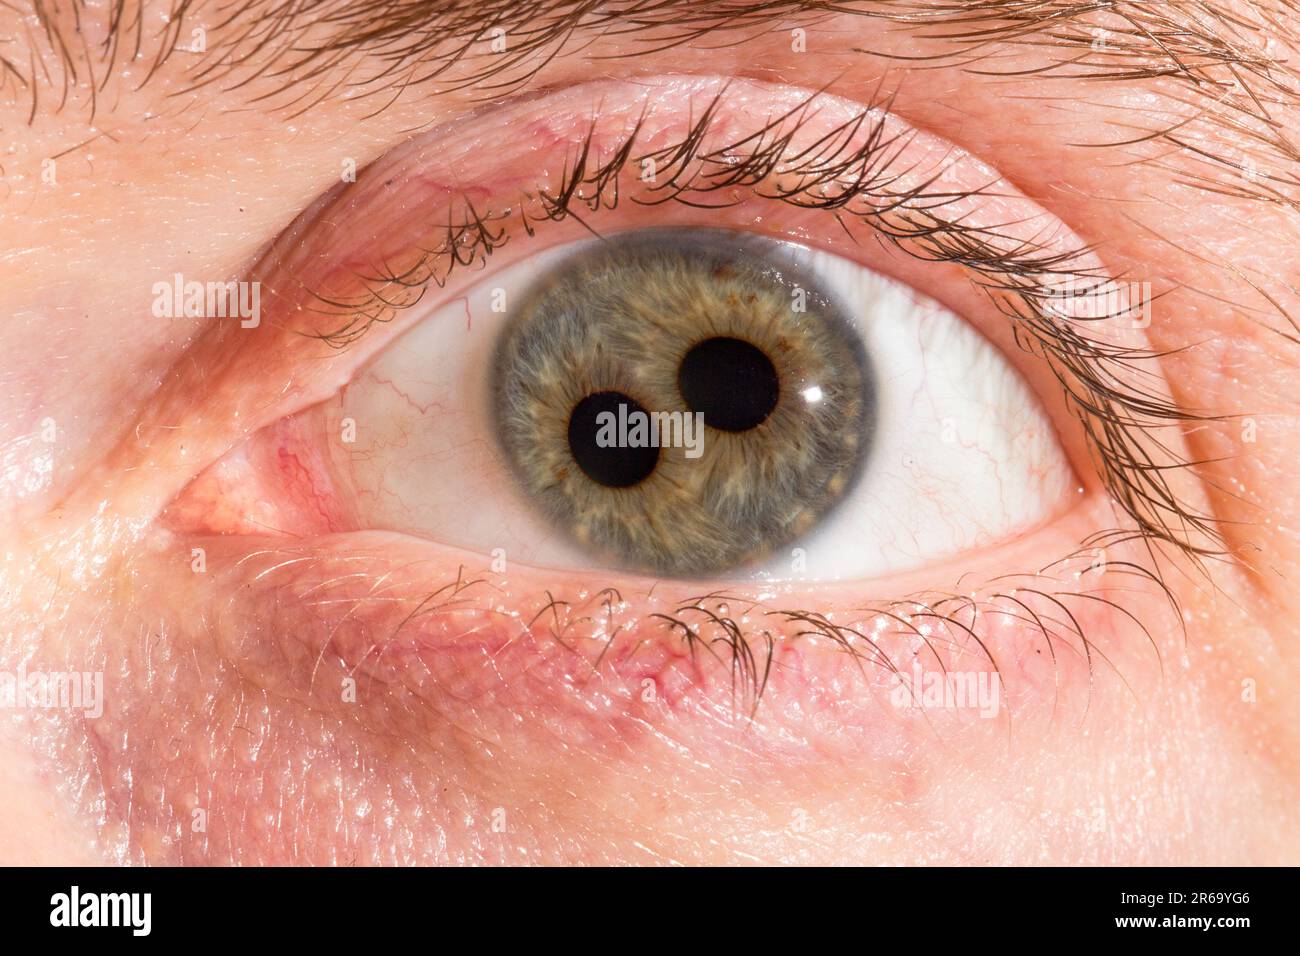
718 625
1040 635
852 174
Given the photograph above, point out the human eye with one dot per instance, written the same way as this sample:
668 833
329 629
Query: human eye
927 508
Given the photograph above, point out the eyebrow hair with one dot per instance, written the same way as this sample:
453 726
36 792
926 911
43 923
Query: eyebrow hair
1199 41
1224 61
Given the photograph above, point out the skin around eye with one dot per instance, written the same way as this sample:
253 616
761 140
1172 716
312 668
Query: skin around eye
321 695
955 452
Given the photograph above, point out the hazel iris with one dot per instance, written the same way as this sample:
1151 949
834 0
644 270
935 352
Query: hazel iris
683 401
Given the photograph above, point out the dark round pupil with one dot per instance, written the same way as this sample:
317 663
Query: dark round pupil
731 381
608 464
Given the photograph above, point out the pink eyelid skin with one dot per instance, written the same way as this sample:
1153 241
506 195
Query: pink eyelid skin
301 600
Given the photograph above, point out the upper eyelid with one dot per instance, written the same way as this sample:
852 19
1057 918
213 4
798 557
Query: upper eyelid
835 161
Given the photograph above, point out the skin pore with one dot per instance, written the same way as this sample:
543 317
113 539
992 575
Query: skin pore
1158 136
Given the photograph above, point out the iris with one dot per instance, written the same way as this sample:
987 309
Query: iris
672 326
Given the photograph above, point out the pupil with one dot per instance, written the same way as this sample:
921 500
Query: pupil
611 466
731 381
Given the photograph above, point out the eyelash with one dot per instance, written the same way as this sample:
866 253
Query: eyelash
848 178
744 635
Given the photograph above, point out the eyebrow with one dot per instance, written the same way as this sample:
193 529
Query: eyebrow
1225 60
1200 43
1203 42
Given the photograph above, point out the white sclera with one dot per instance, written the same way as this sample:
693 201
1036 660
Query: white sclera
962 455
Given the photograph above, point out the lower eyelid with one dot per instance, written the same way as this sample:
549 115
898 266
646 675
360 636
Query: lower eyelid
428 637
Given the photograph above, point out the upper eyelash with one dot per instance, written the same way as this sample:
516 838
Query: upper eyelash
851 177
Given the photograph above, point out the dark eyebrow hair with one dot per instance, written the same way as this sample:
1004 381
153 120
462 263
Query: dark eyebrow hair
1226 61
1202 42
